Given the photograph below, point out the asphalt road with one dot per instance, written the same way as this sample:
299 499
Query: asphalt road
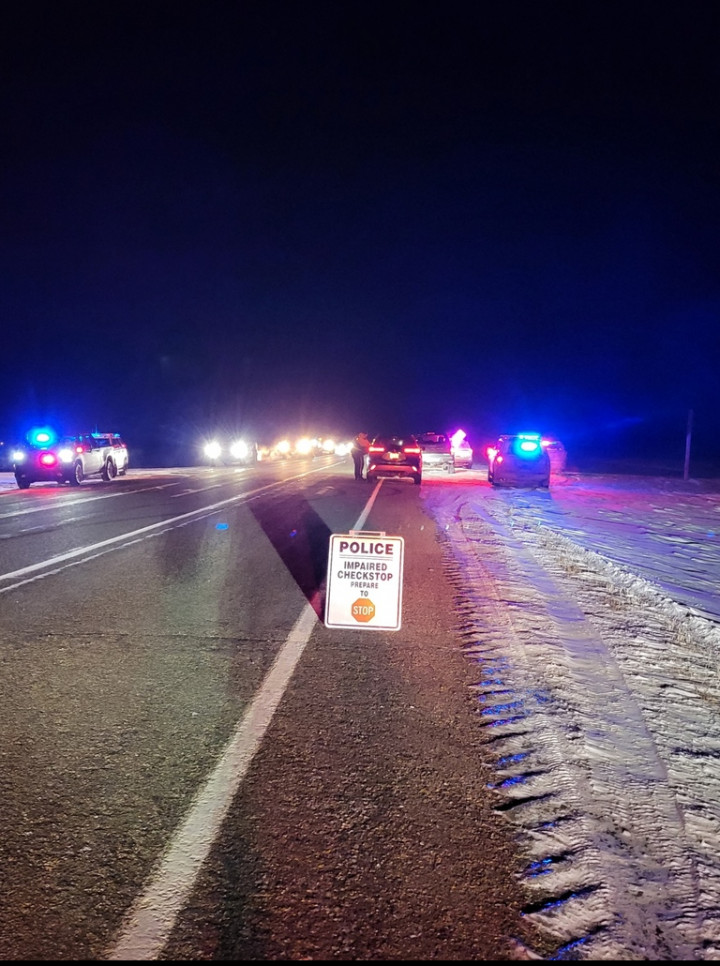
195 767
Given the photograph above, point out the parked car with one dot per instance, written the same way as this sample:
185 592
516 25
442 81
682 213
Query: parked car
461 450
120 454
518 460
70 459
395 456
557 453
436 451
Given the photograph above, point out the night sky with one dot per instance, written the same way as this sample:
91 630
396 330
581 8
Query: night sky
330 216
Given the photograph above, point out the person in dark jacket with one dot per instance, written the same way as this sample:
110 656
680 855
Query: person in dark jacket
360 449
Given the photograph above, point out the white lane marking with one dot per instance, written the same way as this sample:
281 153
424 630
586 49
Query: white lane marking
60 504
62 558
199 489
368 506
154 913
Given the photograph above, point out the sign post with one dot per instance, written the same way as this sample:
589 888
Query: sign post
364 585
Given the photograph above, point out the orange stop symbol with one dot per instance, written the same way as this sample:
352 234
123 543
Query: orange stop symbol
363 610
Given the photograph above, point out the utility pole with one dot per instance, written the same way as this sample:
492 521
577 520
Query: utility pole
688 437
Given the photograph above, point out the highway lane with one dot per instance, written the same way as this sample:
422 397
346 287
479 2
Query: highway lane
139 621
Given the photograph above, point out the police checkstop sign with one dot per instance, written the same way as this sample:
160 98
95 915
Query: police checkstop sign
364 586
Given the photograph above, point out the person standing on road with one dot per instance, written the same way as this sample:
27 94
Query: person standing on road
360 449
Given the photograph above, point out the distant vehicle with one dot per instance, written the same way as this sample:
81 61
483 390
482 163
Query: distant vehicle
70 459
395 456
461 450
291 448
437 451
6 458
518 460
557 453
234 450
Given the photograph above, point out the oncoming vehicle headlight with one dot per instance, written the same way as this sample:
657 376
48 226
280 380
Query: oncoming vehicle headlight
213 450
239 450
18 455
65 455
304 446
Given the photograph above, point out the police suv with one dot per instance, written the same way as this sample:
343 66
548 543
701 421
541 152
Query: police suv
71 460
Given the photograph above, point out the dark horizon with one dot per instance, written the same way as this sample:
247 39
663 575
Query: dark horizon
328 217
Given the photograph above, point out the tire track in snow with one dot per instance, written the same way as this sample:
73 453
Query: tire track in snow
585 684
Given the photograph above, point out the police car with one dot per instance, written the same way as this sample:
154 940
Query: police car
518 460
71 459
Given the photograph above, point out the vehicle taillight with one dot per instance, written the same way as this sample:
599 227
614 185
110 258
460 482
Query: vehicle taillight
377 449
80 449
48 459
411 449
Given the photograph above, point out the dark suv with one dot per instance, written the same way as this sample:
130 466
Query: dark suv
396 456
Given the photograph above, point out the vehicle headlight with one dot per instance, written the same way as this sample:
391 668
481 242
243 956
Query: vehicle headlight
65 455
239 450
18 456
304 446
213 450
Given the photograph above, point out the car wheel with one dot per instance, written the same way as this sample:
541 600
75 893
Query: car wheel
109 471
417 479
22 483
77 474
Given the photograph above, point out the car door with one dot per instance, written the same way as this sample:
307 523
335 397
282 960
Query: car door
95 450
